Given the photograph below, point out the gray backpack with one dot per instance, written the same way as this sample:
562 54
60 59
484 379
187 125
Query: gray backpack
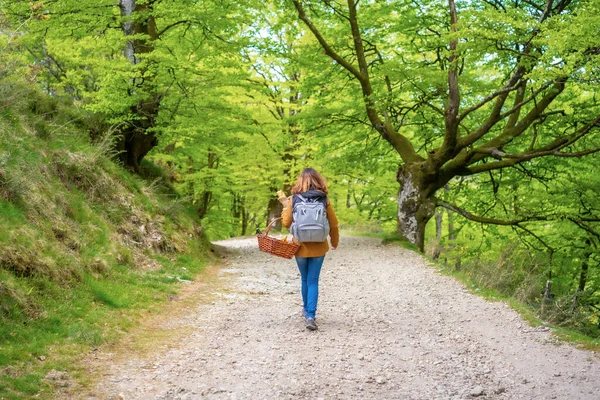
310 222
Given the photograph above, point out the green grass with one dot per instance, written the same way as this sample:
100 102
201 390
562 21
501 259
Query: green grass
582 340
11 214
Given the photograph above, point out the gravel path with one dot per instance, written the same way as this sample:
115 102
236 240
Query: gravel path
390 327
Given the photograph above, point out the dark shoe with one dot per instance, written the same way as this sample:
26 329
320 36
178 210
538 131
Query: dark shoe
311 325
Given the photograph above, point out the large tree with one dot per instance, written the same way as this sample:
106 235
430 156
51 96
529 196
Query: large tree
455 97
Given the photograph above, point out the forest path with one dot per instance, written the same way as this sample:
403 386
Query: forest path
390 327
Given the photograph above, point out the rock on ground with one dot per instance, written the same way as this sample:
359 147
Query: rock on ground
390 327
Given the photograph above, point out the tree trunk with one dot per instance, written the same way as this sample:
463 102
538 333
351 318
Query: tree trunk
135 146
137 141
205 200
416 204
239 212
204 203
585 265
274 211
547 297
348 198
439 216
244 219
451 231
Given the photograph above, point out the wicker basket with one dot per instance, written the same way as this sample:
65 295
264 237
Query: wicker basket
275 246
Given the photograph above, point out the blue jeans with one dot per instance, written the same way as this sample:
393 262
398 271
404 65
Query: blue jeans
310 269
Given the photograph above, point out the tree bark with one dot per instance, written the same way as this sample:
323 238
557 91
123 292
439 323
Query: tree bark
136 141
204 202
138 138
244 218
416 204
439 219
585 265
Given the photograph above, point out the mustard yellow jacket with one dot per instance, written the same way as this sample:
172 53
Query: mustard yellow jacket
314 249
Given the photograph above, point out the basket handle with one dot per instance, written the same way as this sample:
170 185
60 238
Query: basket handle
266 232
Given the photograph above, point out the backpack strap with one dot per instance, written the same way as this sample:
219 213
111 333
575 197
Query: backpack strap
303 199
295 203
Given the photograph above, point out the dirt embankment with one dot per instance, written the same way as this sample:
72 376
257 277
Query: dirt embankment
390 327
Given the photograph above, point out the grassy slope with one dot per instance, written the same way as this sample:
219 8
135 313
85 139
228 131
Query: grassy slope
85 246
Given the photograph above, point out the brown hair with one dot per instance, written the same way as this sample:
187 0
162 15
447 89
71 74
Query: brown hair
310 179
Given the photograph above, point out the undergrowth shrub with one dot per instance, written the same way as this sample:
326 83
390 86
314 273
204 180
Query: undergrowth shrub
85 171
514 272
28 262
563 312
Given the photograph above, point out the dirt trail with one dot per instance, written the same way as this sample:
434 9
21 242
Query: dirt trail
390 327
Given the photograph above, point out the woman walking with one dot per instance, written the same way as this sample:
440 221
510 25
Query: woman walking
311 186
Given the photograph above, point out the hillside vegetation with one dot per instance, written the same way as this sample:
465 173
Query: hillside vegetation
85 245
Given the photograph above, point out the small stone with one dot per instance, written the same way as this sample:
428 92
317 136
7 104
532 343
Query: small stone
42 358
380 380
500 390
476 391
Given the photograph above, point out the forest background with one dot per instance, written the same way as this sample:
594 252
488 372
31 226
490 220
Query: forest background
466 129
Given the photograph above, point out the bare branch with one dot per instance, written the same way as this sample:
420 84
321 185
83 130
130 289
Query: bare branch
580 223
520 104
494 116
551 149
399 142
486 220
502 94
469 158
514 117
336 10
547 10
486 100
326 47
496 4
166 28
451 112
551 249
